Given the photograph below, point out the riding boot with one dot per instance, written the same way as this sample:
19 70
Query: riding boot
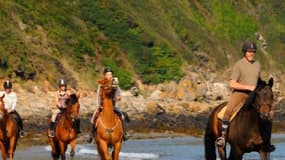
21 127
125 133
77 126
90 135
51 129
221 141
19 122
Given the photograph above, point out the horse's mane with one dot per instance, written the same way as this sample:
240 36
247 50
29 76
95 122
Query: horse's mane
103 81
252 96
72 99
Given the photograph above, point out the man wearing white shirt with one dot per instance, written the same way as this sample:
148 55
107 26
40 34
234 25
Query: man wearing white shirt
10 101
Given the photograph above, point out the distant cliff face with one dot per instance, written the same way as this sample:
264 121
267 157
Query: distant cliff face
150 41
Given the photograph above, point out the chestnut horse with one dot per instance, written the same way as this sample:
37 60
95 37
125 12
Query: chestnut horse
9 133
65 132
249 131
109 131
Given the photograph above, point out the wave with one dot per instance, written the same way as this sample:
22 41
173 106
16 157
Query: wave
83 150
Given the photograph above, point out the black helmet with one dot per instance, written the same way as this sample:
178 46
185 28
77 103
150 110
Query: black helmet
249 46
7 84
62 82
108 69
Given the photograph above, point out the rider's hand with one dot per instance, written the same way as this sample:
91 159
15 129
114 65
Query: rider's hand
251 88
10 110
118 98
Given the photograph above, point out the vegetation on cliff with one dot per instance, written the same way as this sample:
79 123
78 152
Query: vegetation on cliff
152 41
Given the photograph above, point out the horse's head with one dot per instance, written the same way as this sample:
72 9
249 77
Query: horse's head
73 105
264 98
2 106
107 88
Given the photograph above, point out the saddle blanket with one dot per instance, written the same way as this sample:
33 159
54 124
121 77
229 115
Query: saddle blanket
223 110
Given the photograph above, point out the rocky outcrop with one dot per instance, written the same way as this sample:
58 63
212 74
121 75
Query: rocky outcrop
181 107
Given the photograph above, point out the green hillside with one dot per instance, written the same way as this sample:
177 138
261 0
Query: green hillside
150 40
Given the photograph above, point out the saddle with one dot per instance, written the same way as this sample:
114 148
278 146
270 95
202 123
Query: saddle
223 110
15 117
58 116
249 101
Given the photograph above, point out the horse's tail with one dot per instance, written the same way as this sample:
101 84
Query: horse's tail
209 143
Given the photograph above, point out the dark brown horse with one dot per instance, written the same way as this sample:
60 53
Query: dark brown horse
249 131
109 131
65 132
9 133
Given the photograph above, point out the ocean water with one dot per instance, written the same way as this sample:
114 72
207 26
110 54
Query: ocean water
178 148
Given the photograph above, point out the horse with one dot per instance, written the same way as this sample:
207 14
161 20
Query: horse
109 132
249 131
9 132
65 132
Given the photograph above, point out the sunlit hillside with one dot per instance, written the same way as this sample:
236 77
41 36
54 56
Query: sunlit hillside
152 40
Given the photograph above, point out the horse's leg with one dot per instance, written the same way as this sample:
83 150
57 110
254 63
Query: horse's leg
222 153
103 149
116 151
72 147
3 150
235 154
54 152
264 155
62 148
12 146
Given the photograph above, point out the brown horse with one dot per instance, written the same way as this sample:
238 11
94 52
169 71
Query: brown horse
249 131
9 133
65 132
109 131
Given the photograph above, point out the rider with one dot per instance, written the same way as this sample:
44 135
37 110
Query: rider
60 97
243 81
10 101
108 74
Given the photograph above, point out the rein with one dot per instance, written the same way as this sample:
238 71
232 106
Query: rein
109 130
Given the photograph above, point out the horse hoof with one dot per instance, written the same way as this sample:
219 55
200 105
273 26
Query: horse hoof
270 148
72 154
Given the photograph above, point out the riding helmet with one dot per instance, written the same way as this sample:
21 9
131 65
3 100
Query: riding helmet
7 84
249 46
108 69
62 82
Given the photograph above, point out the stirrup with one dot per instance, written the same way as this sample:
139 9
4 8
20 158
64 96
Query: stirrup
51 134
126 136
22 133
221 142
89 139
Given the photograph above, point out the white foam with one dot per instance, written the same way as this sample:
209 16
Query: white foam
81 150
87 151
139 155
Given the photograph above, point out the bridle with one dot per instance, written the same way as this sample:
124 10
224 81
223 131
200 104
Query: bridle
263 115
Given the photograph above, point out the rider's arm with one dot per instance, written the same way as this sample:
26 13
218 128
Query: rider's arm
98 96
56 99
118 94
14 101
234 82
237 86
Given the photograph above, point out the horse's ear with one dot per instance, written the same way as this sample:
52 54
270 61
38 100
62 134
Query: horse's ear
270 82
